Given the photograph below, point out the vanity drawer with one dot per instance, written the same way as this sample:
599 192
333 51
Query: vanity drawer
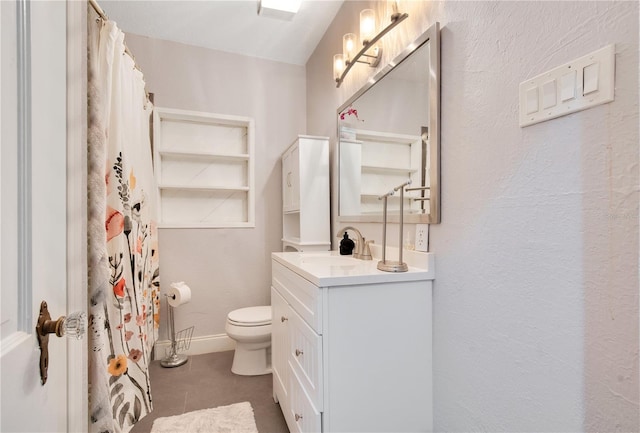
303 416
305 357
303 296
280 344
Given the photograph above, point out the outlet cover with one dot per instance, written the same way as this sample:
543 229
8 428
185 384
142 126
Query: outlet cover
422 237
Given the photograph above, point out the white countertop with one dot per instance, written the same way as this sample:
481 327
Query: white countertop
329 268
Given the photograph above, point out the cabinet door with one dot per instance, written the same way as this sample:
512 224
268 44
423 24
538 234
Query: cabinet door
280 346
294 169
305 417
291 179
286 181
306 359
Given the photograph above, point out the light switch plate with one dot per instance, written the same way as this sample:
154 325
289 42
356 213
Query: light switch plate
594 85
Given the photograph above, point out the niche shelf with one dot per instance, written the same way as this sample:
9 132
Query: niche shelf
373 162
204 167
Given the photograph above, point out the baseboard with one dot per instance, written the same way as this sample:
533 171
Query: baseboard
199 345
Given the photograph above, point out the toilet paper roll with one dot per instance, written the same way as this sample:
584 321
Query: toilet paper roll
178 294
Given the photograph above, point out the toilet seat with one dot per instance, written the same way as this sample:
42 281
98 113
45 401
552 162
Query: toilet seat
250 316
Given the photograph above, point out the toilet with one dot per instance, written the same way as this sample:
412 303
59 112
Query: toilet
251 329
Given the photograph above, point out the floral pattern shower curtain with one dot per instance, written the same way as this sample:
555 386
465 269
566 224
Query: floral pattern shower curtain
123 254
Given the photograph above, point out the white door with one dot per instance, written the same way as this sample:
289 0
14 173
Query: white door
35 209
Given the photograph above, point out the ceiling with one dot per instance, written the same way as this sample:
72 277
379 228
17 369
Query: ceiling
232 26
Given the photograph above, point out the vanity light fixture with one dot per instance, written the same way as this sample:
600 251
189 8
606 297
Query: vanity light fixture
342 64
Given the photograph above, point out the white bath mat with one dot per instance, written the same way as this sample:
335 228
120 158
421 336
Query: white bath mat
235 418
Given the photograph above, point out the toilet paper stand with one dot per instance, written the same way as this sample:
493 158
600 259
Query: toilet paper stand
175 359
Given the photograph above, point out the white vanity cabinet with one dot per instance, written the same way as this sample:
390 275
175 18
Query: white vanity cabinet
305 195
351 345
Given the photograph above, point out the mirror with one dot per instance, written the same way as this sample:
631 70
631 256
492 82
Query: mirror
388 132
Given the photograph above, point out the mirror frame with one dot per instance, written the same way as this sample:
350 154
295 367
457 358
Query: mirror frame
431 35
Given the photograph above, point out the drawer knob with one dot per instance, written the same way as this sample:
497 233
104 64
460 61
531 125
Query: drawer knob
283 319
298 417
298 353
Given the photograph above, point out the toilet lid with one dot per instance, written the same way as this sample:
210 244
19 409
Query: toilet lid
251 316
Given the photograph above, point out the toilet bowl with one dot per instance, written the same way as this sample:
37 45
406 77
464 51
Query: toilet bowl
251 329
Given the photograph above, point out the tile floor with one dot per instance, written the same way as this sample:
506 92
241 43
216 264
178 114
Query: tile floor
206 381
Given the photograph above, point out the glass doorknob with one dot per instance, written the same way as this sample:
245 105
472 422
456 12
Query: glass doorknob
73 325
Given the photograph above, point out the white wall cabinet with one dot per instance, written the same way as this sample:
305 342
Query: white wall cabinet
351 358
305 195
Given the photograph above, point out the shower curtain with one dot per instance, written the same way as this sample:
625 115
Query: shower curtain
123 255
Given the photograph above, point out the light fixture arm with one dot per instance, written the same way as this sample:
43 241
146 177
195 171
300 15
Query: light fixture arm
395 20
372 60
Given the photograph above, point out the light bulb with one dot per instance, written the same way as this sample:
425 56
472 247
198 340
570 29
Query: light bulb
338 66
367 25
348 46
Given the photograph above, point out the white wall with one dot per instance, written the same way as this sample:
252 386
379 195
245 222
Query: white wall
536 290
226 268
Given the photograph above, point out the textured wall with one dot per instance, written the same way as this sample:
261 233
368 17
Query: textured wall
226 268
536 290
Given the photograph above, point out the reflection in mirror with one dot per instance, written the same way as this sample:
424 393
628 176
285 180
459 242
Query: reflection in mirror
389 132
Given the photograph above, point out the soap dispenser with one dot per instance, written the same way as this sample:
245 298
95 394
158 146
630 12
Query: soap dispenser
346 245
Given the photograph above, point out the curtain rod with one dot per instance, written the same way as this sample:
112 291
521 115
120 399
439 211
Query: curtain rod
96 7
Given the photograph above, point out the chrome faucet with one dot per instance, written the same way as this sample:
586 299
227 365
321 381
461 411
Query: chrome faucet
362 250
